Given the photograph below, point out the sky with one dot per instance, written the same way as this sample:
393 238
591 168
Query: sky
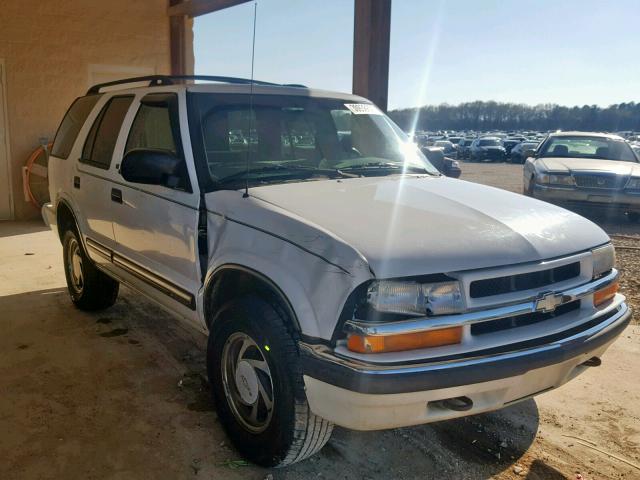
569 52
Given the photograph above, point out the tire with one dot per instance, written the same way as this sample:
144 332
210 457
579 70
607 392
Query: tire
89 288
290 432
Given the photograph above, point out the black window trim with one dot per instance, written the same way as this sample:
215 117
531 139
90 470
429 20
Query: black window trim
99 119
98 95
172 119
172 102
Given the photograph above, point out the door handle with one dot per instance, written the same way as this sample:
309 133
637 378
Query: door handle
76 182
116 195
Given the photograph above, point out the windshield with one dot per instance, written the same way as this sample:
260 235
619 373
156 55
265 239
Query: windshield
489 142
295 138
588 147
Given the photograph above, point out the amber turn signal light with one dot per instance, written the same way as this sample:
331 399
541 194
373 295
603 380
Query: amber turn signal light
605 294
404 341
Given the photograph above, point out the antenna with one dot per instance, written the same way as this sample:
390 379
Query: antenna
253 56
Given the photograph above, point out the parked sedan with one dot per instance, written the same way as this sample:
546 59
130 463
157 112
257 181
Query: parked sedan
447 166
592 170
464 146
447 147
510 142
520 152
487 149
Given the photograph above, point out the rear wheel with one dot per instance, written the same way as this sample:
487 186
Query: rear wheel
254 369
89 288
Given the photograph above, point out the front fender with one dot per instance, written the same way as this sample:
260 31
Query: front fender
315 289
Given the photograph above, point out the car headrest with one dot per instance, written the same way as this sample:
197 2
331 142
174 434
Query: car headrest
560 151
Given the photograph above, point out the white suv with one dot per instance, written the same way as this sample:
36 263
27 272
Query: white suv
340 278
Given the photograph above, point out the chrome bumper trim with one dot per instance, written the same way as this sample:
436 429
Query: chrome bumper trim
622 314
321 363
423 324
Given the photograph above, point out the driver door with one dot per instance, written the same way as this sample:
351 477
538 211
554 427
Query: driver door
156 226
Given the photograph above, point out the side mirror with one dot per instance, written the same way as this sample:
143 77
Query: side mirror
153 167
528 153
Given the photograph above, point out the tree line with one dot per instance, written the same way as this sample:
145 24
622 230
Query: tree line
482 116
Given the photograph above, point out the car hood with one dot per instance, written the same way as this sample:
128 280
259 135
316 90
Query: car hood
416 225
571 165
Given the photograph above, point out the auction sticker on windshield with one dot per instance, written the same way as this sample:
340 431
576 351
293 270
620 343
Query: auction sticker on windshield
363 109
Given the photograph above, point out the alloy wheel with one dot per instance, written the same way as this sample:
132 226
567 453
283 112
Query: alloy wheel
247 382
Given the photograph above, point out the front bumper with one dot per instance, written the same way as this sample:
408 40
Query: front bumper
364 396
588 198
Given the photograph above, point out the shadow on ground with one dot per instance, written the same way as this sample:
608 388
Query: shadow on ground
10 229
137 367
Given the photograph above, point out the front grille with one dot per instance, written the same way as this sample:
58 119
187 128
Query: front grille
598 181
521 320
523 281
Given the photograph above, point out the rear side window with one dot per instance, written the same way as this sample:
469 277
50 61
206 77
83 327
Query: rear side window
71 125
102 138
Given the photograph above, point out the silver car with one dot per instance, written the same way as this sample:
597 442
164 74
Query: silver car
579 169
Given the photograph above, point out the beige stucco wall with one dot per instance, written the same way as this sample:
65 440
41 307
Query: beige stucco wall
48 46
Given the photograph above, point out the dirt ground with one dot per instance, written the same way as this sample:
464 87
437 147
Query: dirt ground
121 395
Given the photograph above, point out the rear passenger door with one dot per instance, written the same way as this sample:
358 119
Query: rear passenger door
92 176
156 226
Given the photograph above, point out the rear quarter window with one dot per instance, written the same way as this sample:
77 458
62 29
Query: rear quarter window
71 125
102 138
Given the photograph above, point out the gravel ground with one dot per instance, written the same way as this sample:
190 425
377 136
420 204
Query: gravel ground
625 234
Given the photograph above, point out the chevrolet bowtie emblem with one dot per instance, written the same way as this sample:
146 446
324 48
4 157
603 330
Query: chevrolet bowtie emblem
548 301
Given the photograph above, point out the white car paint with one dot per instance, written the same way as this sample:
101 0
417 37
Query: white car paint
415 225
317 241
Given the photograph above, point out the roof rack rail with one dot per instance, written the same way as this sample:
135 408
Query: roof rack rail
170 80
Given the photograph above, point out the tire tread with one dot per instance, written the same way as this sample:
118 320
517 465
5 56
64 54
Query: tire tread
311 432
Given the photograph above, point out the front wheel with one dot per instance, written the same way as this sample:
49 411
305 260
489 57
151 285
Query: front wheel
89 288
254 368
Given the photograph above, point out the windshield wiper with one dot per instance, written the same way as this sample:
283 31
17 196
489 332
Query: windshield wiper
286 169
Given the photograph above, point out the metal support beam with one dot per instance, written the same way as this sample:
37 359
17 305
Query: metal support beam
195 8
371 34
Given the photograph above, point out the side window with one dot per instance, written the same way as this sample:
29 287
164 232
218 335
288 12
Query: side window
151 129
102 138
156 127
71 125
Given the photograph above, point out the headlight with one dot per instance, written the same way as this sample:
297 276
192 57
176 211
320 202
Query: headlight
390 296
604 259
633 183
555 179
